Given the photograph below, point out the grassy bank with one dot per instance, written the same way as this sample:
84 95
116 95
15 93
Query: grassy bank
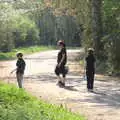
27 50
16 104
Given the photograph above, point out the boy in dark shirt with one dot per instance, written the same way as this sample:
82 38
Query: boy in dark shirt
61 62
90 69
20 69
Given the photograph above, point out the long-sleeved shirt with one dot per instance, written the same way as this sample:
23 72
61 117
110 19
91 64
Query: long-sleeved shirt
90 62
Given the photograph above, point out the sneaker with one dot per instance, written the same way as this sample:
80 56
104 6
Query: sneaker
63 84
90 90
59 83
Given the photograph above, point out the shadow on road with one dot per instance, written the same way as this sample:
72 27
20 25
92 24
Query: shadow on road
70 88
105 93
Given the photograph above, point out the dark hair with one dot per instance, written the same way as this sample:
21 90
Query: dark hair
19 54
61 42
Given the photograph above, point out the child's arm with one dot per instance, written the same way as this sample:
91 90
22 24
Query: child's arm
13 70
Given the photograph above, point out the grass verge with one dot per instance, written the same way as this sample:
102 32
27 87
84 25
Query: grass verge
16 104
25 50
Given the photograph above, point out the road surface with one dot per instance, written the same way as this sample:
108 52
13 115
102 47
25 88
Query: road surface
40 80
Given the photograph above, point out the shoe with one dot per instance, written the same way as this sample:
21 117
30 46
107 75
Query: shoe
90 90
59 83
63 84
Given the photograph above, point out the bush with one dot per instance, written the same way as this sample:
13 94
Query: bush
16 104
111 49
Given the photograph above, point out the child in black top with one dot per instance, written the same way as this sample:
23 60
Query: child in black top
90 69
20 69
61 62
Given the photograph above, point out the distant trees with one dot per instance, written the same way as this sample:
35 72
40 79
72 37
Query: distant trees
25 23
15 29
95 23
25 32
7 15
100 20
56 23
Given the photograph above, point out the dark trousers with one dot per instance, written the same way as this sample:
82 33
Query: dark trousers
90 79
20 79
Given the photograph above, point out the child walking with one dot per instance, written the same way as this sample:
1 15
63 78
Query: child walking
90 69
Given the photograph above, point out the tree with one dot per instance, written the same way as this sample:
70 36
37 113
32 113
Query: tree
96 18
111 22
7 15
26 32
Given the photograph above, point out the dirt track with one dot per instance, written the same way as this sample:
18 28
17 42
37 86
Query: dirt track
40 80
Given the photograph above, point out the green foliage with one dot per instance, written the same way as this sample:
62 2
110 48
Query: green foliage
111 20
15 29
111 17
26 23
26 32
55 24
111 28
112 43
16 104
7 15
33 22
25 50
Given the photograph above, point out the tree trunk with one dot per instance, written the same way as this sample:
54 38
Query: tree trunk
96 18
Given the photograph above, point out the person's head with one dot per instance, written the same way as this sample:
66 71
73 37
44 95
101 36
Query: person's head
61 43
19 55
90 51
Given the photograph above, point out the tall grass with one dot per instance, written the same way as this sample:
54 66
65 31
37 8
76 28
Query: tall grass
16 104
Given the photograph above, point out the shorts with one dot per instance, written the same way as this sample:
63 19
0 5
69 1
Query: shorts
61 70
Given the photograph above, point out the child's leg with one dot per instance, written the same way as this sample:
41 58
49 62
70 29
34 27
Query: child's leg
57 72
64 79
59 78
92 80
88 82
64 75
88 79
20 79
